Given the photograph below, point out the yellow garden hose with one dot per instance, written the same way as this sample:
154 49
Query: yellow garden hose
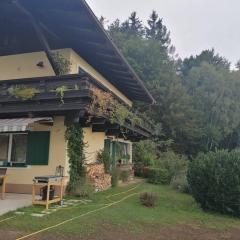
6 219
77 217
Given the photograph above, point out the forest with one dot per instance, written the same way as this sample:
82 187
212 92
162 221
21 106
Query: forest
197 98
196 117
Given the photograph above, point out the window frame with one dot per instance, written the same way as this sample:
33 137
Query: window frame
10 144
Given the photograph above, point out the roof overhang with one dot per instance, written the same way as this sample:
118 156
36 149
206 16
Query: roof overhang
68 24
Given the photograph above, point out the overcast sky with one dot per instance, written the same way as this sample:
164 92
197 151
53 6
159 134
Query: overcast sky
194 24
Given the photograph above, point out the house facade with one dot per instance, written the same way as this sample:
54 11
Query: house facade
37 104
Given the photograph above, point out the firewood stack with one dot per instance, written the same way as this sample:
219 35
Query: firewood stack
97 176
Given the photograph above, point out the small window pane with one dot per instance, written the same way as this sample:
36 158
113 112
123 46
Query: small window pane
19 148
4 140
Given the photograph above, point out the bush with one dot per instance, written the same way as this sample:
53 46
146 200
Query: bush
144 153
81 189
214 180
158 176
174 163
124 175
180 183
115 177
148 199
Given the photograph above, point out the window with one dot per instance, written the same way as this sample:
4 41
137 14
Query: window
19 148
4 142
119 151
13 148
122 152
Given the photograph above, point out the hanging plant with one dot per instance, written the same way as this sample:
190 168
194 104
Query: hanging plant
23 92
103 104
60 91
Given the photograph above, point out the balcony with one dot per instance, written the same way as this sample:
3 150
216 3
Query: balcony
47 99
67 96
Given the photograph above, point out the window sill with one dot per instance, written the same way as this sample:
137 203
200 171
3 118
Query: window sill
16 165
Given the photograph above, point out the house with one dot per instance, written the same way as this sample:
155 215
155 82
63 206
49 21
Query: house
37 102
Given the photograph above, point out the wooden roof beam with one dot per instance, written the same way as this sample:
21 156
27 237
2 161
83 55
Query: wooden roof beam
109 57
95 45
39 33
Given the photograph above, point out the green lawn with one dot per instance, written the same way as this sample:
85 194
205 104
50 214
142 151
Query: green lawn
125 212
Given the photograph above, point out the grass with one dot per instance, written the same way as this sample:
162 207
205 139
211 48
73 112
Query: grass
172 209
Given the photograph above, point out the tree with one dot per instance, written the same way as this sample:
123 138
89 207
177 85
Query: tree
173 109
102 20
198 101
157 31
208 56
132 26
238 65
215 97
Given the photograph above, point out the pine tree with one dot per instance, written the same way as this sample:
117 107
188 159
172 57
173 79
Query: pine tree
102 20
238 65
157 30
133 26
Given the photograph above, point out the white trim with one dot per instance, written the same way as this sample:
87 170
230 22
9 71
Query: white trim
10 142
10 147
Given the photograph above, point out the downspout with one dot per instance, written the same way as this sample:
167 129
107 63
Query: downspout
39 33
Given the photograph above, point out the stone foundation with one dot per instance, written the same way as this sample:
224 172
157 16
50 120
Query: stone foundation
97 177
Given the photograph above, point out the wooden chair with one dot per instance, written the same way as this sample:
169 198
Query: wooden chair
3 172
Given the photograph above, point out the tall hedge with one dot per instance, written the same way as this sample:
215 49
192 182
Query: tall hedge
214 180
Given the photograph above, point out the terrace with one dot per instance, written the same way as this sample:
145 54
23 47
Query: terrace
14 202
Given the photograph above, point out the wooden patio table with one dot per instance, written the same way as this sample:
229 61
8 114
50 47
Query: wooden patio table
3 186
57 199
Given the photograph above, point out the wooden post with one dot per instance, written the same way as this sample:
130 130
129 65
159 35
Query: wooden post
61 190
33 193
48 193
3 187
39 33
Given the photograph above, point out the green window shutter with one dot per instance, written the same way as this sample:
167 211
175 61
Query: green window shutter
107 145
38 148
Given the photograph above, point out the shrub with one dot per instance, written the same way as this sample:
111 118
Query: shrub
180 183
115 177
214 180
84 190
158 176
148 199
124 175
80 188
105 158
144 153
174 163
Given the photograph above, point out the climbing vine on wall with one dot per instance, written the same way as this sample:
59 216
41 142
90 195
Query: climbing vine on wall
75 148
62 65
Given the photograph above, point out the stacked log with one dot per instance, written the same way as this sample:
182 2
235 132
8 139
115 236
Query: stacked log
98 178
